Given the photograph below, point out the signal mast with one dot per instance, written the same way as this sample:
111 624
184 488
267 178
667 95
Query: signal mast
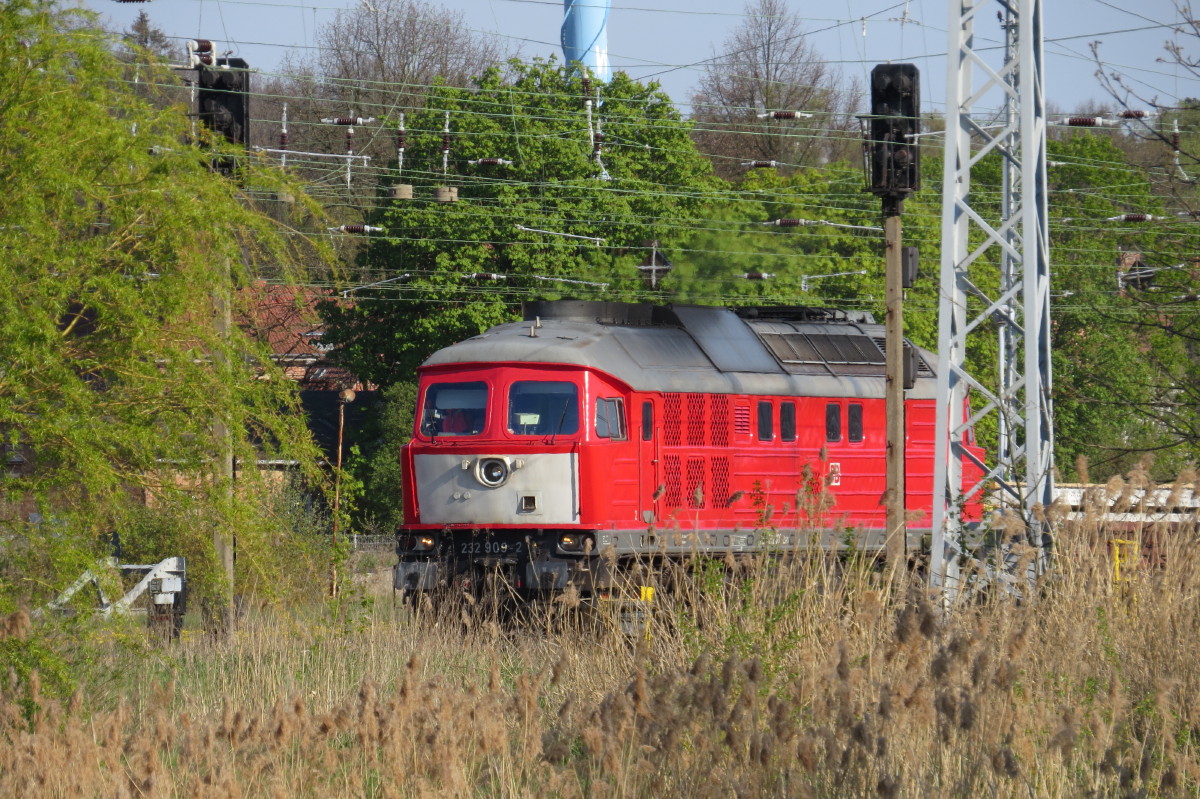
894 172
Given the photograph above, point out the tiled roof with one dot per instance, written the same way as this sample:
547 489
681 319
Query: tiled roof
286 319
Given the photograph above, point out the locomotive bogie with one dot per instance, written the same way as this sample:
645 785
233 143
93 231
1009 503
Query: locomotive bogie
532 561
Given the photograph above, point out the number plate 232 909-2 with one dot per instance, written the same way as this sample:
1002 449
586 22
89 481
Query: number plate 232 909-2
488 546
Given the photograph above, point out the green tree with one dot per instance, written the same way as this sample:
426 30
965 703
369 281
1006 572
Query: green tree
554 219
1112 381
836 262
121 244
377 463
1116 372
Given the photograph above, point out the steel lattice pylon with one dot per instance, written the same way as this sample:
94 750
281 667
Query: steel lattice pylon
994 274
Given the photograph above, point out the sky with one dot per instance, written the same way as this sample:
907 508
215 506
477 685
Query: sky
670 41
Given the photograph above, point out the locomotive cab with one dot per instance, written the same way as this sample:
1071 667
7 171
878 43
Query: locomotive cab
493 475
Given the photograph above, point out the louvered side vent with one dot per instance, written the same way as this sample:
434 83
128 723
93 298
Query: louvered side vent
695 483
674 482
923 369
741 420
696 427
801 349
673 420
718 413
720 482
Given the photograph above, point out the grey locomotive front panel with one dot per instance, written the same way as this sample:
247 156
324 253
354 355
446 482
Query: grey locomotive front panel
539 490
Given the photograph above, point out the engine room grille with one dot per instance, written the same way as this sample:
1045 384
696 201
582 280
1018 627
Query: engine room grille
673 420
695 483
719 420
673 481
696 427
720 482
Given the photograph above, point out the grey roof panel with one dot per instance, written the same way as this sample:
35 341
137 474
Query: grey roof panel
661 348
726 339
668 358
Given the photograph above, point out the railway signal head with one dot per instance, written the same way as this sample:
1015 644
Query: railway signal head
895 121
224 98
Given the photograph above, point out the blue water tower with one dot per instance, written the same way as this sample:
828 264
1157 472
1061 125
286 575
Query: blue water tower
585 35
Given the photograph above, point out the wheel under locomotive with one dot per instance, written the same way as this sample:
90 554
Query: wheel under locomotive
559 450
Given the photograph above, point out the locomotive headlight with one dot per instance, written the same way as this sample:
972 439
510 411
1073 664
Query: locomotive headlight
422 543
572 542
492 472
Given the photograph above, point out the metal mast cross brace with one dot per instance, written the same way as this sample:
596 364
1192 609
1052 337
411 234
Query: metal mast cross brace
995 275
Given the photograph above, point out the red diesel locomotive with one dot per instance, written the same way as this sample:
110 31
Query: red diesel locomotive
558 450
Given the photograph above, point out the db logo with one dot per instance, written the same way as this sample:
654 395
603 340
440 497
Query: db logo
833 475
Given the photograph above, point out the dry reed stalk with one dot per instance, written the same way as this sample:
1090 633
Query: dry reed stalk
791 675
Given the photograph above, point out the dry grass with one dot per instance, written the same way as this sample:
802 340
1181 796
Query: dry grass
817 677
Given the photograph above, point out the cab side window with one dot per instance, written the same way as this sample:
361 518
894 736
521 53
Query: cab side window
610 418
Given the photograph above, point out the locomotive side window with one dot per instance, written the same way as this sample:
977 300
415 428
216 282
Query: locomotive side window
647 420
543 408
833 422
787 421
854 419
454 409
765 429
610 418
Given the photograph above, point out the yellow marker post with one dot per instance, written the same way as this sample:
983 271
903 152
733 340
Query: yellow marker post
646 597
1124 553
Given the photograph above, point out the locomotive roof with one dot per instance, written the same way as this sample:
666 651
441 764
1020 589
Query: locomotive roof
699 349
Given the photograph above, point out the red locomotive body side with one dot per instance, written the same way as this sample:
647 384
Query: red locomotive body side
706 461
539 461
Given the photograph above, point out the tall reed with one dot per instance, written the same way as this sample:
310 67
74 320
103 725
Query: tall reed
812 675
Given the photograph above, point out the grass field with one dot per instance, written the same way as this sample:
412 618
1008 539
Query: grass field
818 677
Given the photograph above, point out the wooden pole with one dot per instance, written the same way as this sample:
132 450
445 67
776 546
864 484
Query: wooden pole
337 492
896 542
223 547
345 397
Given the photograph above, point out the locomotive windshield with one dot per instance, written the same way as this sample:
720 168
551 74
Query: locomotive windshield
454 409
543 408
